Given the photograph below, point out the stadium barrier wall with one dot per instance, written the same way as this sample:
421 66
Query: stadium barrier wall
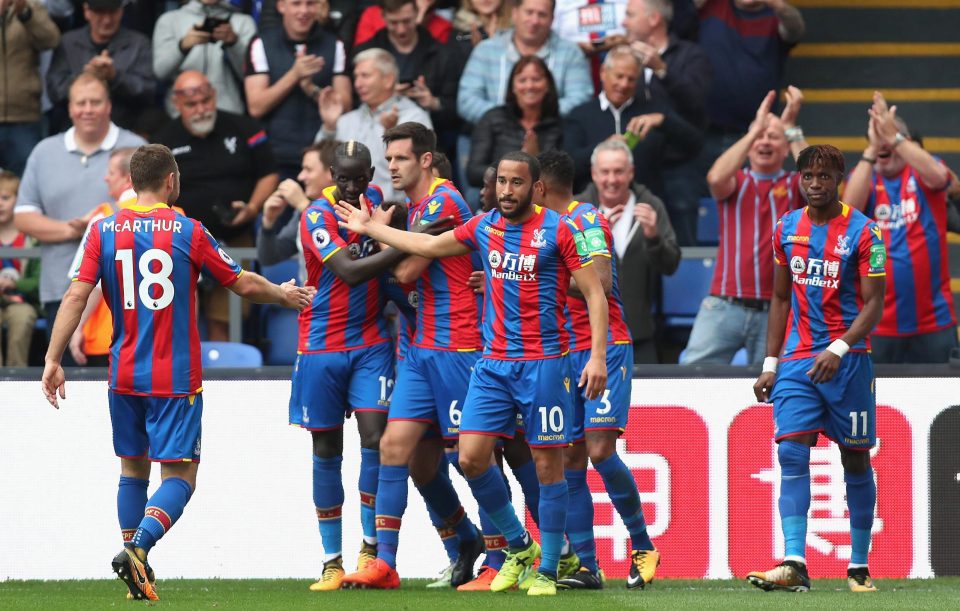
701 451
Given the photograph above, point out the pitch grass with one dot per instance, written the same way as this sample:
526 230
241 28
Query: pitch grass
901 594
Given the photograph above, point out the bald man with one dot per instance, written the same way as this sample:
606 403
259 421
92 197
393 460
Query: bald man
227 171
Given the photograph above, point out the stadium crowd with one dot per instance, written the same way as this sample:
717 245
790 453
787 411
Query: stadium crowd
659 103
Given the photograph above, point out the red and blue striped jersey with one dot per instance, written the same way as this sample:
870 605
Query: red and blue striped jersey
747 221
599 243
913 218
527 273
147 260
340 317
826 263
403 295
447 314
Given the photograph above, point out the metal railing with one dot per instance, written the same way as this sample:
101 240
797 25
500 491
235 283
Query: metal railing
247 254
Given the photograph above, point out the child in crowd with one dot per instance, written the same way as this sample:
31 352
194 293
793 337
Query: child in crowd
19 280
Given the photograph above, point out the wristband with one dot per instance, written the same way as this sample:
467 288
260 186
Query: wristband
870 160
839 347
770 364
794 134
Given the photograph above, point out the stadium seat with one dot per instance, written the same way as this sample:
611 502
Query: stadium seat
229 354
740 358
684 290
708 222
280 333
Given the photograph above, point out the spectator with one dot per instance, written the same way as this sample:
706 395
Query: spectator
18 280
747 42
751 201
276 243
478 20
643 238
528 121
624 112
227 171
373 20
428 72
63 181
116 55
904 189
682 71
375 77
27 30
441 166
286 70
486 77
488 192
208 36
90 343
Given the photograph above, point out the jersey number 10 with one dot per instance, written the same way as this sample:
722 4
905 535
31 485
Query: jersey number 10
159 278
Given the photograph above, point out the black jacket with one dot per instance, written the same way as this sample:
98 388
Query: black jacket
642 263
499 132
587 126
437 63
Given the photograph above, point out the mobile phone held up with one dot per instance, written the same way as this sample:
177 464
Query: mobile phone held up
211 23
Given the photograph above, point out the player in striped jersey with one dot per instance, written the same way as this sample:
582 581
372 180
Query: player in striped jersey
599 422
148 258
904 189
828 296
447 339
345 357
529 255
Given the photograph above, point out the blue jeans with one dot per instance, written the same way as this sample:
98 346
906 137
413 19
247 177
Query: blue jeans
923 348
722 328
16 142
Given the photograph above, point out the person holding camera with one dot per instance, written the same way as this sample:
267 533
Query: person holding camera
209 36
227 171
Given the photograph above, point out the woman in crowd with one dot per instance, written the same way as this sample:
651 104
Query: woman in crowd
529 120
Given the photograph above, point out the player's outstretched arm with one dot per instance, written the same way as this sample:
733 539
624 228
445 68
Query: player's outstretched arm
827 363
258 289
776 327
68 317
421 244
594 374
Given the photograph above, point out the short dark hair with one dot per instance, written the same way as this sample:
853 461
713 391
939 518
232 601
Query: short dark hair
550 107
556 168
441 163
326 150
399 218
532 164
150 166
827 155
421 137
392 6
353 149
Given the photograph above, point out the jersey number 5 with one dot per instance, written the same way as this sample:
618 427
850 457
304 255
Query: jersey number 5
159 278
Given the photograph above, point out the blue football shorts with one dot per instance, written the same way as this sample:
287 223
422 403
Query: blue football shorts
844 409
541 391
328 386
610 410
164 429
431 388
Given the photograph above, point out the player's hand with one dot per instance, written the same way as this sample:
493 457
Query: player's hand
297 297
382 215
353 219
476 281
435 227
53 382
794 99
593 379
646 216
825 366
76 347
764 386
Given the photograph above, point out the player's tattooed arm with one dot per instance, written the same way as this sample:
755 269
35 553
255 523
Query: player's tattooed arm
776 327
603 267
593 378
